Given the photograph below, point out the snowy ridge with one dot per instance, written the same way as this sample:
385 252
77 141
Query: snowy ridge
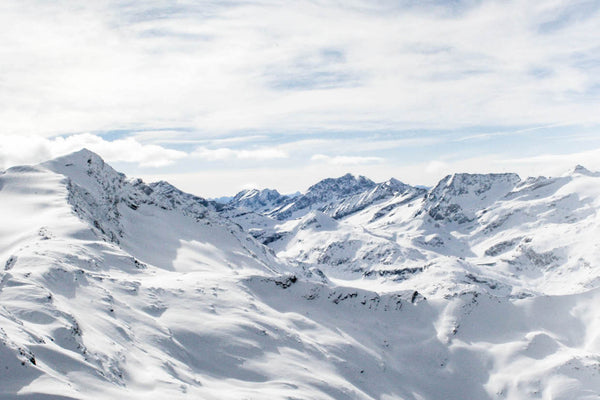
257 200
111 287
381 191
322 196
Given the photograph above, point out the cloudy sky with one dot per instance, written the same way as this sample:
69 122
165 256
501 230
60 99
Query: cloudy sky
216 96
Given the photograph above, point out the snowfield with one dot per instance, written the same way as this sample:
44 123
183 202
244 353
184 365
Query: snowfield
483 287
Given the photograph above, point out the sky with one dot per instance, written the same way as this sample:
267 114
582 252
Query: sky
219 96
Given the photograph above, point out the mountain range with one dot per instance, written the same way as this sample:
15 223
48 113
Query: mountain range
483 287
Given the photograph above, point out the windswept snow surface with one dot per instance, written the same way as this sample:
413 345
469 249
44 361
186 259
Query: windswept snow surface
484 287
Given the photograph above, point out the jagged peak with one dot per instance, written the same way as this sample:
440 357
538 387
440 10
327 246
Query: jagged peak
166 194
256 193
394 181
581 170
343 182
161 183
257 199
88 170
84 166
246 192
395 184
165 188
80 157
83 159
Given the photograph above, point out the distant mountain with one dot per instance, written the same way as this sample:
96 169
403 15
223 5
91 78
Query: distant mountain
381 191
581 170
322 195
458 197
395 231
257 200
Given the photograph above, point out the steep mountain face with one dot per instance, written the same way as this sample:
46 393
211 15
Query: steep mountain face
484 287
458 197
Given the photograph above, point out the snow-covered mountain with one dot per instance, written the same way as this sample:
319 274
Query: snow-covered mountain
327 194
257 200
484 287
458 197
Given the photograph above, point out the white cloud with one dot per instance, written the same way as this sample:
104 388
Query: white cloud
436 167
554 164
249 186
18 150
346 160
225 153
328 65
359 144
230 140
373 84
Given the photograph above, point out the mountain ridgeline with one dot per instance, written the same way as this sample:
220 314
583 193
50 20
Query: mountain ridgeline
449 200
337 197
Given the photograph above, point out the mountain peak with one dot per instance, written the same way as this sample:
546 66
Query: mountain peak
395 185
264 194
82 166
257 199
80 157
581 170
322 194
346 184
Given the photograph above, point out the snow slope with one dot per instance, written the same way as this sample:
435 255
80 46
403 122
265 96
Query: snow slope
484 287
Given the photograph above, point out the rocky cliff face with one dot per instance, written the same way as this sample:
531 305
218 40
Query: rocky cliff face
458 197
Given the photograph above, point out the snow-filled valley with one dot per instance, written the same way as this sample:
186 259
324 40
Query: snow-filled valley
482 287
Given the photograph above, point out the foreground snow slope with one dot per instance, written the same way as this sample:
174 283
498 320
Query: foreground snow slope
112 287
